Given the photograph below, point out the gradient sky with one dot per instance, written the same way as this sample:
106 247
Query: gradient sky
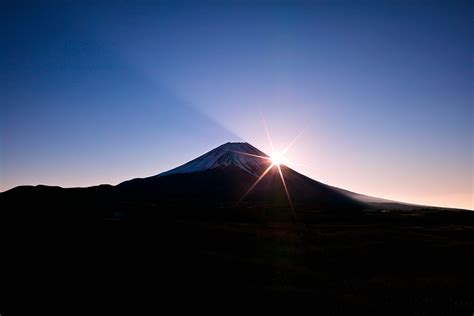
95 92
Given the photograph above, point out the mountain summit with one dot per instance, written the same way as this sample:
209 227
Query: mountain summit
241 155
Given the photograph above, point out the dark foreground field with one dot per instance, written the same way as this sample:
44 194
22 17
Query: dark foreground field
385 263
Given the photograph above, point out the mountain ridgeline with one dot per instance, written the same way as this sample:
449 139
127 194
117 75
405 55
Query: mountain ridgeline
221 178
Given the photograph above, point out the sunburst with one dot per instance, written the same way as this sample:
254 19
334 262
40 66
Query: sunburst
276 159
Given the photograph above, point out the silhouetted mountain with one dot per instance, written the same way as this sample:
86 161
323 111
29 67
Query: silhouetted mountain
225 174
220 178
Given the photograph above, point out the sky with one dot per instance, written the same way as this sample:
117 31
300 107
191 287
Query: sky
382 92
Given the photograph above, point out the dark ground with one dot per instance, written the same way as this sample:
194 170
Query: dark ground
386 263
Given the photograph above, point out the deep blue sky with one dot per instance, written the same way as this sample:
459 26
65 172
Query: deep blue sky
96 92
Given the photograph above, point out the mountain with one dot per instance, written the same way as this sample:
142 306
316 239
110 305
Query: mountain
227 176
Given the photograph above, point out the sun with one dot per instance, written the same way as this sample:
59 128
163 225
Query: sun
278 158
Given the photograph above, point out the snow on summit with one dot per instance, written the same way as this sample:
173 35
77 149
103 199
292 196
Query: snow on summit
242 155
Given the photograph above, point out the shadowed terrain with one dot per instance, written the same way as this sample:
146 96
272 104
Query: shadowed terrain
394 263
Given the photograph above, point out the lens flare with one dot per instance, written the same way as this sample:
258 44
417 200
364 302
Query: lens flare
277 159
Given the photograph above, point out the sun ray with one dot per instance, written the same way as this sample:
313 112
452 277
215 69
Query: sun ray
276 159
291 143
247 154
287 192
256 182
268 134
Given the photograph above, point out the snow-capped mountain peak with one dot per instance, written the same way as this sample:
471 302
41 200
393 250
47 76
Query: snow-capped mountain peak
242 155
